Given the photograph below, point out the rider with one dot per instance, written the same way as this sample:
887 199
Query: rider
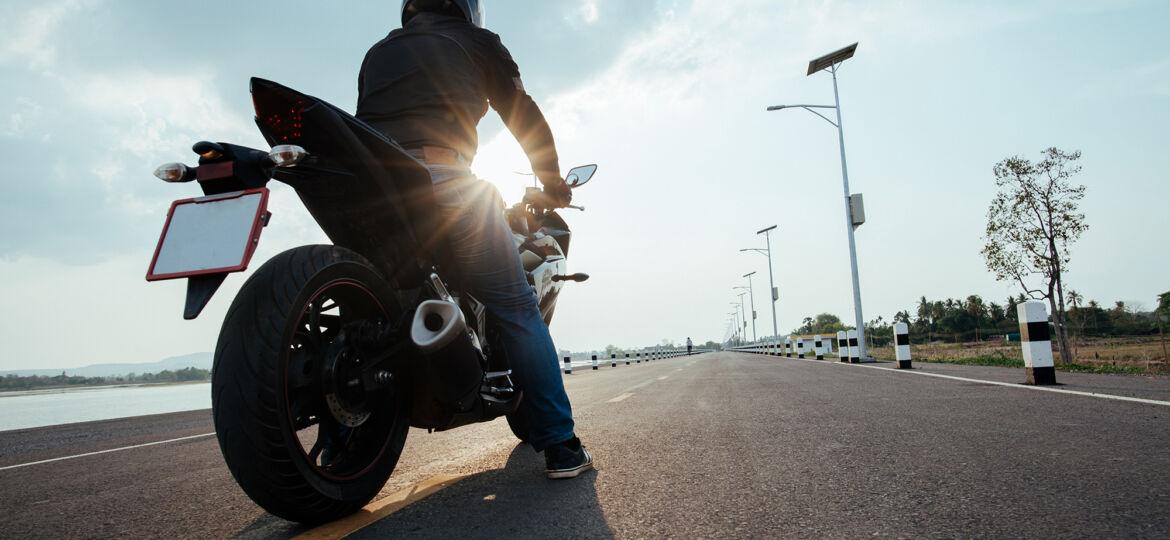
426 86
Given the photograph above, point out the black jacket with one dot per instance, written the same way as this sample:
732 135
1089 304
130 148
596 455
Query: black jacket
430 83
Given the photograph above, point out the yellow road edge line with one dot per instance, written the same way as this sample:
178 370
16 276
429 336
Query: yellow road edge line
620 398
379 509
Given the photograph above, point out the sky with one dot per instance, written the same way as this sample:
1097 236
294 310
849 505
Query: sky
668 97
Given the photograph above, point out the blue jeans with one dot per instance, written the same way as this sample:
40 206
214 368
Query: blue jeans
481 243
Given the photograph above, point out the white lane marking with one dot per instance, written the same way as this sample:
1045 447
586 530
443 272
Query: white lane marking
664 377
106 451
620 398
998 383
640 385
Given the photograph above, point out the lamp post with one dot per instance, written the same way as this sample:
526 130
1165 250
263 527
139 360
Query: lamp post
752 297
830 62
743 314
771 283
735 315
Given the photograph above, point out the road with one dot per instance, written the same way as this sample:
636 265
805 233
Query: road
714 445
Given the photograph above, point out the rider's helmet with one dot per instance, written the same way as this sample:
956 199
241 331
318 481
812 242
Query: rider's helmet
472 10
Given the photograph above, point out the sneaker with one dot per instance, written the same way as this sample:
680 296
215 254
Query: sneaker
567 459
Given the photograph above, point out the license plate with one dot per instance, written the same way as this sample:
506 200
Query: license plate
210 235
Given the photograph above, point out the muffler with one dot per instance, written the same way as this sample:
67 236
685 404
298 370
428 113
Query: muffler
454 368
437 323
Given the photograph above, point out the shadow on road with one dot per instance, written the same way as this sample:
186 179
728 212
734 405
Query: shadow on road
516 501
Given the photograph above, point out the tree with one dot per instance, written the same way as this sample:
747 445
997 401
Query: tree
1162 312
1030 224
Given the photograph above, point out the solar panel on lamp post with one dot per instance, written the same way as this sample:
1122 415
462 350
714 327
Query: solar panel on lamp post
829 62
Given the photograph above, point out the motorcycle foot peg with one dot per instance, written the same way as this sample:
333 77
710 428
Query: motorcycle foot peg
437 323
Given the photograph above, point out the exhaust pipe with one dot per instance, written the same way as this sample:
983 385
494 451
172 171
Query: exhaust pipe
437 324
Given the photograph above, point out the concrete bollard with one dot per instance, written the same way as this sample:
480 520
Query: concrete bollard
1037 344
787 348
800 348
568 366
842 347
595 362
638 358
902 344
627 359
854 352
613 360
819 347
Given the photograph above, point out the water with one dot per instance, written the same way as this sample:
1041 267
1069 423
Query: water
36 408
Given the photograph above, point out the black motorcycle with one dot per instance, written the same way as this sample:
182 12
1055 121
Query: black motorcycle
329 353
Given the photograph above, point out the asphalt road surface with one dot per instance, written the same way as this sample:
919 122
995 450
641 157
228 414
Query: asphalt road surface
713 445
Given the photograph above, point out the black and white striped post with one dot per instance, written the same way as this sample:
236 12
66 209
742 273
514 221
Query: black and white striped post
594 361
613 360
819 346
842 347
1034 338
854 354
568 366
800 348
902 344
627 359
638 358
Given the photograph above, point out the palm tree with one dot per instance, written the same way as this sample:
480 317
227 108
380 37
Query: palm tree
1075 299
976 309
923 309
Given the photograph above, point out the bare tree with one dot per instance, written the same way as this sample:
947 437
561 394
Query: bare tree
1031 223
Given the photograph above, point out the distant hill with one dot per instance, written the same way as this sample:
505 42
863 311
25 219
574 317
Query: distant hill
201 360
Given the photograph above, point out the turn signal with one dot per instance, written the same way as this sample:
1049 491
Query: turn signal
174 172
287 155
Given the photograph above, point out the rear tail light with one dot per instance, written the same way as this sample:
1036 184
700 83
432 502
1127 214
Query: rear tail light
287 155
175 172
278 112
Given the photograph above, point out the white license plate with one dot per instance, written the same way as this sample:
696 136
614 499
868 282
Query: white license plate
210 235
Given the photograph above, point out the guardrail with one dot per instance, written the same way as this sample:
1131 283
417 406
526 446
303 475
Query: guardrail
791 347
595 360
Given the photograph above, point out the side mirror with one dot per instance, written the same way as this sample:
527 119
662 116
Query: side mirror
579 175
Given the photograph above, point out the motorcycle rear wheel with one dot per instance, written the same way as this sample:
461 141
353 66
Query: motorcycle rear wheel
519 423
299 441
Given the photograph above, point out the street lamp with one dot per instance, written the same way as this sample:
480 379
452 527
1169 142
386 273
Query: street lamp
830 62
771 283
752 296
744 312
736 314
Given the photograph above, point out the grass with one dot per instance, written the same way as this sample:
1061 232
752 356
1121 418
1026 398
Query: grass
1130 355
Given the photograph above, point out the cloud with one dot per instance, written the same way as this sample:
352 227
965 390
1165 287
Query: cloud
155 112
589 11
30 30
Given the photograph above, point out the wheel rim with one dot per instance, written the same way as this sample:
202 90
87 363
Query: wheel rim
341 431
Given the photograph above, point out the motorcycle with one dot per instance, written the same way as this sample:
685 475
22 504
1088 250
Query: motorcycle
329 353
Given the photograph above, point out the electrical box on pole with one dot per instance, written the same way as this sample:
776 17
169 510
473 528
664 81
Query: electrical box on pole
775 293
857 209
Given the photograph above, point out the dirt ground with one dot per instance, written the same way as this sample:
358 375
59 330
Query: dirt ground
1141 352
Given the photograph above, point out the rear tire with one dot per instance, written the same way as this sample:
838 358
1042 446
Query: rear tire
519 423
302 446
